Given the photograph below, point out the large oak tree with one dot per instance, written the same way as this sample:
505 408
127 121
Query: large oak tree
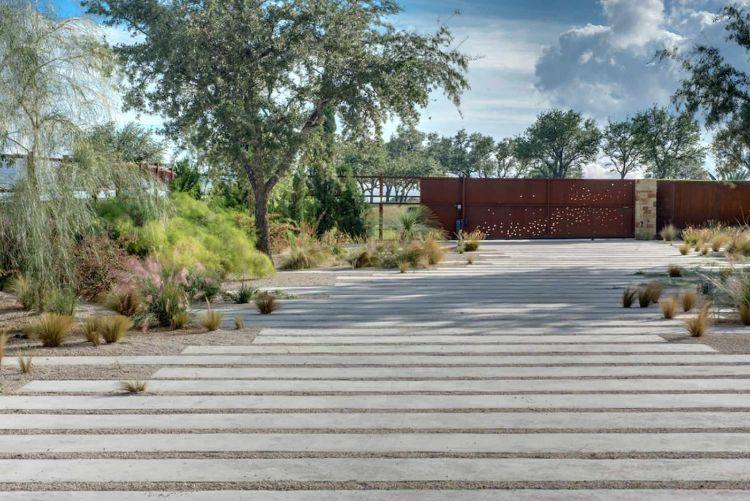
251 79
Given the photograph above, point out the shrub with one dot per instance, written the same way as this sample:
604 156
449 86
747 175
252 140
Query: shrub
28 292
99 260
688 300
684 248
25 364
52 328
133 386
403 266
719 241
669 233
628 297
245 294
62 301
266 303
697 325
239 323
705 249
113 328
668 307
674 271
363 258
643 234
202 284
470 241
692 236
91 327
180 320
413 223
126 301
168 300
305 252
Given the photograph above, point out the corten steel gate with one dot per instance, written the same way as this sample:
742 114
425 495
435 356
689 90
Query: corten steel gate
533 208
693 203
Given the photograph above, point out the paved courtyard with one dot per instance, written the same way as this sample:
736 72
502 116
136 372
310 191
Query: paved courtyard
520 372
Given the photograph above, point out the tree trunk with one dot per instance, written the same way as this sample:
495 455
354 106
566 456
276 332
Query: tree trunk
261 220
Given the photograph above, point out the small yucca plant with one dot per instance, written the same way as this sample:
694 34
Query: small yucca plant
25 364
113 328
239 323
697 325
684 248
628 297
133 386
668 307
91 327
266 303
688 300
52 328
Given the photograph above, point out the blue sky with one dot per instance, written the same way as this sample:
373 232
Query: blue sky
595 56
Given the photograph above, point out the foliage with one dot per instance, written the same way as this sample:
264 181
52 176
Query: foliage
266 303
688 300
126 301
433 250
684 248
649 293
731 149
259 75
414 222
129 143
620 146
352 209
670 145
113 328
202 285
187 178
52 329
558 144
193 235
473 155
212 319
674 271
244 294
239 323
62 301
99 260
669 233
305 251
91 328
469 241
133 386
697 325
25 364
3 343
180 320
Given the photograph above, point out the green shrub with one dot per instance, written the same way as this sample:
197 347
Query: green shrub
203 285
167 301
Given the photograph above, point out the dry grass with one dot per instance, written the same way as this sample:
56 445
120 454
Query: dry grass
211 320
239 323
180 320
668 307
470 241
3 342
684 248
266 303
91 327
113 328
470 258
628 297
669 233
674 271
433 250
719 241
403 266
52 329
688 300
697 325
25 364
133 387
705 249
649 294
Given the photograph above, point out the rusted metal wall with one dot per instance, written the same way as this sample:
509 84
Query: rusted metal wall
533 208
686 203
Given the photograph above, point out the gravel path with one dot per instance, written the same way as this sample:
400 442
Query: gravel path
518 377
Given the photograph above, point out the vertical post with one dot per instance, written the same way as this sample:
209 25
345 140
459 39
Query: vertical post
380 210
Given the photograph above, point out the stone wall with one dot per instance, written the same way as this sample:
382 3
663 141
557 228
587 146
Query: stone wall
645 208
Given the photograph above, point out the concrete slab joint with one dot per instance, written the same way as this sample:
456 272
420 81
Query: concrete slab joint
645 208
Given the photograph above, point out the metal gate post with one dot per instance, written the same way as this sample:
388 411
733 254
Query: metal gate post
380 210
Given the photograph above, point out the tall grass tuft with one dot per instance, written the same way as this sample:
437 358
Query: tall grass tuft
669 233
649 293
211 319
688 300
113 328
133 387
25 364
469 242
719 241
433 250
91 328
684 248
305 252
697 325
3 343
239 323
180 320
266 303
668 307
52 328
674 271
628 297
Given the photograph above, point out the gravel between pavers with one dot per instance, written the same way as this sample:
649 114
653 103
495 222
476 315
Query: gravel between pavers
12 379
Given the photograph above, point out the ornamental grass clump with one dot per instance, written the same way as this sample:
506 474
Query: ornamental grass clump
305 251
669 233
628 297
113 328
3 343
684 248
470 241
180 320
719 241
211 319
697 325
688 300
432 250
91 328
668 307
239 323
25 364
649 293
266 303
133 387
674 271
52 328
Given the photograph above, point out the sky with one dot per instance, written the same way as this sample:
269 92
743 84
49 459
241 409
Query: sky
594 56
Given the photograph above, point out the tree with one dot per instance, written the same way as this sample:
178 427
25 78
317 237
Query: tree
506 161
258 76
669 144
558 144
732 154
187 178
620 145
465 155
129 143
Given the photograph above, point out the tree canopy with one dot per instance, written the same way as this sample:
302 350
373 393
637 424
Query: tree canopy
620 146
258 75
558 144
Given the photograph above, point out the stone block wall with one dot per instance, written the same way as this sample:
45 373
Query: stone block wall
645 208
